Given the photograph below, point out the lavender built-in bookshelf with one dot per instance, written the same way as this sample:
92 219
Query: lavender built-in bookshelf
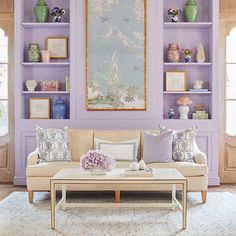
160 32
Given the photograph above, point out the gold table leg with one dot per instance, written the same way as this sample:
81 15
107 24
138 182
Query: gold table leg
53 210
184 205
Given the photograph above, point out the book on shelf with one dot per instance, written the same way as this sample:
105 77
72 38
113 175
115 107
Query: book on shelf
199 90
148 172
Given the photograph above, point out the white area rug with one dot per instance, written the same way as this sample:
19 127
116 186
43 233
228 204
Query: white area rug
216 217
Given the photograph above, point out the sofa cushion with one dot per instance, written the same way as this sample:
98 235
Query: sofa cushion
183 141
157 143
81 142
50 168
53 144
185 168
120 151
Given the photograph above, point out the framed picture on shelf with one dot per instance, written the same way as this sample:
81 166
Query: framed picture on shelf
175 81
39 108
57 47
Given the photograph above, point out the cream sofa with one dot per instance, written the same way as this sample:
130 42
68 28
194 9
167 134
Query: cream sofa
39 174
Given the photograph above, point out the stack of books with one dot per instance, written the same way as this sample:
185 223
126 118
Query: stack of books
148 172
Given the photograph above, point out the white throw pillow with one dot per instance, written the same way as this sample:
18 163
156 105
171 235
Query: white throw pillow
121 151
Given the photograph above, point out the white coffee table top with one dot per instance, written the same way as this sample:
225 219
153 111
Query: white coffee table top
117 174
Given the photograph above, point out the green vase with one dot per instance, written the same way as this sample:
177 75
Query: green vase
41 11
34 53
191 11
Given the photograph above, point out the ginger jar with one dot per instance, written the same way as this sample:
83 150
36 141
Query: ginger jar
173 53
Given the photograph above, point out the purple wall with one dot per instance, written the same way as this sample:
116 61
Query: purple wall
156 110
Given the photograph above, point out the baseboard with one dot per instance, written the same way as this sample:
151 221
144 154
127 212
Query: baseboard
19 180
213 181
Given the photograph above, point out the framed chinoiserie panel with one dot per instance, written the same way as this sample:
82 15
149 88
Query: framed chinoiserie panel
116 55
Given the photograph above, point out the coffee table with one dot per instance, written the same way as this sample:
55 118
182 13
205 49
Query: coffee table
116 181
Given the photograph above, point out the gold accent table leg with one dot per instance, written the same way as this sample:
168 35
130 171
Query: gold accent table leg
31 196
53 207
117 194
64 197
173 196
184 205
204 196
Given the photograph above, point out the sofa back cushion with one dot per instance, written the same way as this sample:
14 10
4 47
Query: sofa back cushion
118 136
81 142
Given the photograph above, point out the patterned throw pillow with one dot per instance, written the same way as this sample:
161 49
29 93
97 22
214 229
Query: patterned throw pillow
53 144
182 146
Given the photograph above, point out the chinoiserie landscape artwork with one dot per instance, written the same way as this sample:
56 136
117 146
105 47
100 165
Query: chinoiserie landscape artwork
116 54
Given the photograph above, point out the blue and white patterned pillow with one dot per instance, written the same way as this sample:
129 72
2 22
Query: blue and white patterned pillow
182 145
53 144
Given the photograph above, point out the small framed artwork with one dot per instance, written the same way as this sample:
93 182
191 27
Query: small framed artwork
175 81
57 47
39 108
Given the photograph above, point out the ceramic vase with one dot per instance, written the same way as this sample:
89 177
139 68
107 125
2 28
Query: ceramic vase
191 11
187 58
41 11
98 171
59 109
45 56
173 54
33 52
183 112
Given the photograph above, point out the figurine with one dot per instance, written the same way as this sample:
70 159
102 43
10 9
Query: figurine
174 14
57 13
200 53
171 113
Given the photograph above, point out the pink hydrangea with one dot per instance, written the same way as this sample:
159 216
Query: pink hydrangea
95 159
184 101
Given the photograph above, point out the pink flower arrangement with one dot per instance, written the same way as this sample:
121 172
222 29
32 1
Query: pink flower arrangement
96 159
184 101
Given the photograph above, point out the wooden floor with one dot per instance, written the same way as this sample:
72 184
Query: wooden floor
7 189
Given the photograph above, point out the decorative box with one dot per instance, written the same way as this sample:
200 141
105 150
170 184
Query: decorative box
200 115
52 85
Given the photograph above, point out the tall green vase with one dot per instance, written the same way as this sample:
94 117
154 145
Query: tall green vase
41 11
191 11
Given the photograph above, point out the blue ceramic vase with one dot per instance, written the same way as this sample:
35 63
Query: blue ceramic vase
59 109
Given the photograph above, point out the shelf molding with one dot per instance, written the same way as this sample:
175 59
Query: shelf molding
187 64
187 25
187 92
46 92
34 25
39 64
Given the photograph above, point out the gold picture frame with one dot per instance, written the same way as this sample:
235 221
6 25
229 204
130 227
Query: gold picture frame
175 81
102 104
39 108
57 47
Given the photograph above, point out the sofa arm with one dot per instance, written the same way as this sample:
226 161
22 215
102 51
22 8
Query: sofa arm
32 158
199 156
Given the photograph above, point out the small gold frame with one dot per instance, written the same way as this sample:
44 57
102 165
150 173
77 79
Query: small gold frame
57 47
42 109
175 81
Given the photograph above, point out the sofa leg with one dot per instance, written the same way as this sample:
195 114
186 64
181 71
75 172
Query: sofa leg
204 196
117 194
30 195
